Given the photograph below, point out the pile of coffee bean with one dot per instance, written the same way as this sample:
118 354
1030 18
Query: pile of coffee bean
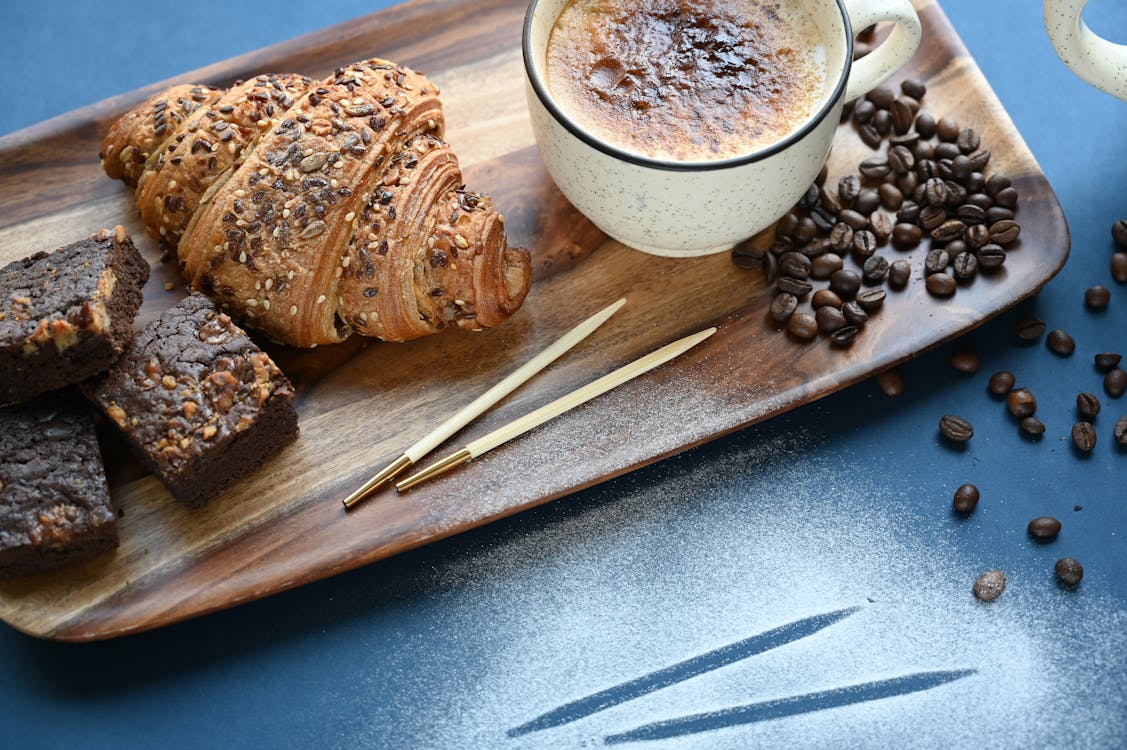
930 184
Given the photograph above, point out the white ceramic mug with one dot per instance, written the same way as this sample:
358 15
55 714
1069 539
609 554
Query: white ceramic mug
1093 58
690 208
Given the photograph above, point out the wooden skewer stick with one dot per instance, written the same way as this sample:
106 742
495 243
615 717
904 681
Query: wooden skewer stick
479 405
565 403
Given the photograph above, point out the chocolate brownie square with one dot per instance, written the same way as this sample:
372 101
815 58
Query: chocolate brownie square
54 503
68 314
200 402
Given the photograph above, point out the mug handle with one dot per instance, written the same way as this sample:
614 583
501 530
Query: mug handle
878 66
1093 58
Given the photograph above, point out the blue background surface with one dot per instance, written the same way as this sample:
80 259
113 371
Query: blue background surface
844 504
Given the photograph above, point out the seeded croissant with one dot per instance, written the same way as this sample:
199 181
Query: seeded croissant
312 209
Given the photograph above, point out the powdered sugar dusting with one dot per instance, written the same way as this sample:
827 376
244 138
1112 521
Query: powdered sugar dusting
598 597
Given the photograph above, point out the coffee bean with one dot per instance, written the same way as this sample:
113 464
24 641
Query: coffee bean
829 319
996 183
947 129
802 326
990 257
925 125
880 225
797 287
882 121
906 183
909 212
1069 571
1021 403
770 267
848 188
870 136
899 273
875 168
890 196
965 266
1044 527
956 429
1087 406
978 199
906 235
863 111
1006 198
949 230
864 243
995 214
935 192
965 361
1084 436
816 247
845 283
747 257
976 236
810 198
875 270
1119 267
1004 232
787 224
823 266
969 213
841 236
1032 427
783 306
1115 382
823 218
1060 343
1030 329
844 336
1119 233
830 200
903 111
941 285
856 220
805 231
914 88
979 160
966 499
871 300
936 261
825 298
1119 432
855 315
990 585
900 159
795 265
1001 382
881 96
891 382
968 140
868 201
932 217
1107 361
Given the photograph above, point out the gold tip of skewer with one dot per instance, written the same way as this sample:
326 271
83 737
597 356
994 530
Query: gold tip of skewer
438 467
385 475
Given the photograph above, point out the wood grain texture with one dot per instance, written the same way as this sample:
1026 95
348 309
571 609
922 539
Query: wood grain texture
361 403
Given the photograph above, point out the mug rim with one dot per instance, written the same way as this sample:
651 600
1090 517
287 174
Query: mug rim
641 160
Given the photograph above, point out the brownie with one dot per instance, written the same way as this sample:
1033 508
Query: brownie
54 503
68 314
198 400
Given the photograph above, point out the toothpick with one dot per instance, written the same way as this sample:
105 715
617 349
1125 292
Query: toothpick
483 402
561 405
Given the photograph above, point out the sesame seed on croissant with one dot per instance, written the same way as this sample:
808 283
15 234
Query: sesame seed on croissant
314 209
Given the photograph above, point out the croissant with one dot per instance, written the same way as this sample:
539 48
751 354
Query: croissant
313 209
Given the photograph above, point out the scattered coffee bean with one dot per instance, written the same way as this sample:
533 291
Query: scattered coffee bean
925 125
797 287
1084 436
747 257
1004 232
1107 361
947 129
829 319
1119 267
1097 297
802 326
1044 527
996 183
968 140
1032 427
882 121
936 261
890 196
880 225
1001 383
1119 233
1069 571
964 266
864 243
844 336
965 361
990 585
868 201
1119 432
1021 403
991 257
899 273
783 306
1115 382
854 314
1060 343
824 298
1030 329
863 111
906 236
1006 198
941 285
1087 406
875 270
914 88
956 429
966 499
848 188
845 283
870 136
795 265
824 265
875 168
881 96
891 382
871 299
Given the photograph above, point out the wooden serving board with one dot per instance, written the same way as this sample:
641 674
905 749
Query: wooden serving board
361 403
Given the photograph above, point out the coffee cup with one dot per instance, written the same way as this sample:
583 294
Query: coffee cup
1093 58
695 206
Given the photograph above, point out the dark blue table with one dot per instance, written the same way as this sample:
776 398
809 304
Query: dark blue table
820 547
